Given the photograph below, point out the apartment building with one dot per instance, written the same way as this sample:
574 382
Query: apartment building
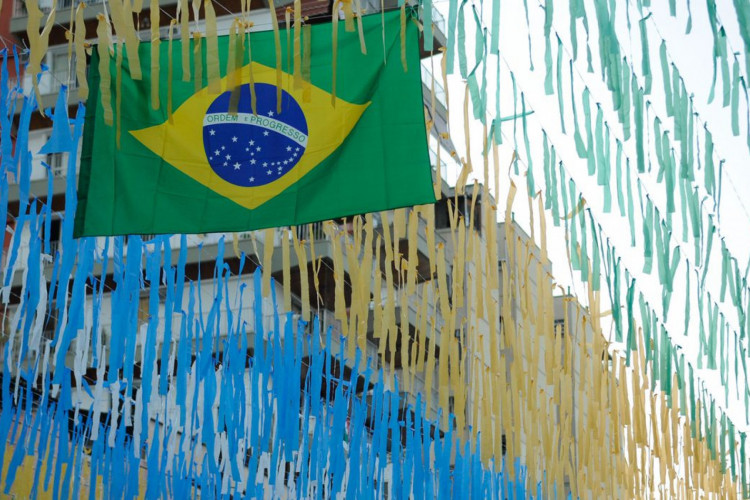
312 272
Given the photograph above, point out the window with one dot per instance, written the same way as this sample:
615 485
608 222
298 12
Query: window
143 309
560 327
63 70
57 164
55 234
443 208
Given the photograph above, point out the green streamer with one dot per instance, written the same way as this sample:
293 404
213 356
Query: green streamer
553 182
474 95
617 317
724 61
478 97
669 181
736 368
709 175
689 170
742 10
564 195
580 148
548 186
655 357
574 9
683 209
645 59
735 98
624 111
595 259
590 147
689 25
515 121
584 246
631 216
629 299
659 138
598 146
606 167
709 245
638 116
427 23
672 271
648 231
451 29
618 175
666 76
575 260
463 65
529 163
724 269
646 319
548 15
528 32
666 363
495 33
659 243
687 300
695 222
711 7
560 104
713 317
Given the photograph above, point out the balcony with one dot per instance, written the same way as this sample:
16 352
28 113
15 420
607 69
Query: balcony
93 7
427 82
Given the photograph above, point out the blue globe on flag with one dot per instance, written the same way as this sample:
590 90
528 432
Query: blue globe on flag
249 149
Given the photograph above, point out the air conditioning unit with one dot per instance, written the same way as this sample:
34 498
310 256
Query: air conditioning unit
164 32
56 162
145 33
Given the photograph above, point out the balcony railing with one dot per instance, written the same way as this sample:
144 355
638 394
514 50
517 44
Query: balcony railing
443 165
310 232
439 90
19 6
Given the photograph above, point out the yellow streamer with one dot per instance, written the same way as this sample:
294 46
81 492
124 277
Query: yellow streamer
155 79
334 50
170 71
183 12
277 45
121 17
80 47
103 33
37 43
297 44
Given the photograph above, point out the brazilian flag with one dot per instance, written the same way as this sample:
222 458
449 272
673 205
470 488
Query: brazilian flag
237 158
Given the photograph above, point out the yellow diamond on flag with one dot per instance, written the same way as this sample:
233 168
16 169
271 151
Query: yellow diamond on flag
252 155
